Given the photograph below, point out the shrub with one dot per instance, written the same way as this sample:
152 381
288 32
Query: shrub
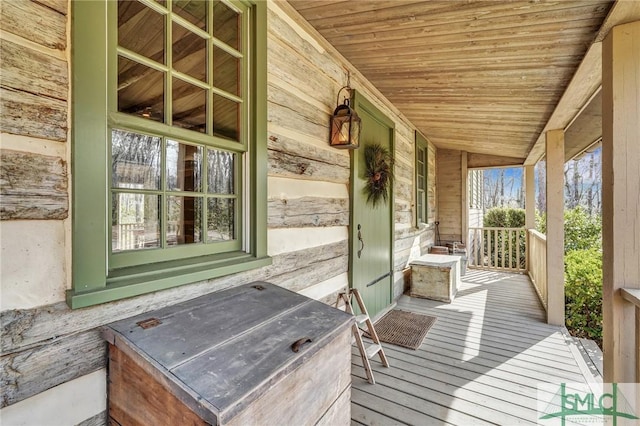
581 231
583 293
506 217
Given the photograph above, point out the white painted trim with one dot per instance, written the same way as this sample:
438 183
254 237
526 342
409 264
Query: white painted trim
67 404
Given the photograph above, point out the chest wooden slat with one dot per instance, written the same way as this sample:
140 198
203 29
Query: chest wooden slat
223 355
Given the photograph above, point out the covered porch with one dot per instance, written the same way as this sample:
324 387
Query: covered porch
481 362
508 84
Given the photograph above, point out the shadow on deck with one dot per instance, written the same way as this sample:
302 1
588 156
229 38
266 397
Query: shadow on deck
480 363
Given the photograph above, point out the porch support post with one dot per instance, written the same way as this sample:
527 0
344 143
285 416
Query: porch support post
530 197
464 189
555 226
621 200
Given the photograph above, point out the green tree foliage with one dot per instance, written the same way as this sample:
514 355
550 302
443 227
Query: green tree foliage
582 272
581 231
583 293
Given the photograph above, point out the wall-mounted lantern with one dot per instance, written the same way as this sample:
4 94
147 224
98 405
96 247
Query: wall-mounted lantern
345 125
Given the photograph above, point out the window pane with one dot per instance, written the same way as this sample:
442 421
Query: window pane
135 221
189 53
226 118
141 30
189 106
194 11
221 170
135 160
183 220
226 24
140 90
226 71
184 165
220 219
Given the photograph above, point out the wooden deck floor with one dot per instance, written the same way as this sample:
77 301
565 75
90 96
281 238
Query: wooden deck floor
480 363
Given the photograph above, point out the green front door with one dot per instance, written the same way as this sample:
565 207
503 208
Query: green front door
371 259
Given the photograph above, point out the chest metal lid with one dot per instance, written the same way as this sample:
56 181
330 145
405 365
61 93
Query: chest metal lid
219 352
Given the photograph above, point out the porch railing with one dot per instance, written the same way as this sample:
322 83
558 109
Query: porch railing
500 249
537 261
632 295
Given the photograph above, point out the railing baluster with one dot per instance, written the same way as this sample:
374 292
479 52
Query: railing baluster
495 248
518 252
510 258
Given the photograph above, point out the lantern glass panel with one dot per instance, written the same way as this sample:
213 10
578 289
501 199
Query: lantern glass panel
355 131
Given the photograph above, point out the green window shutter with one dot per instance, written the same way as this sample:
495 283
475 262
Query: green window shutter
185 157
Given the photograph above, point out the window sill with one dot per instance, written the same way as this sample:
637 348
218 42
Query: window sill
138 281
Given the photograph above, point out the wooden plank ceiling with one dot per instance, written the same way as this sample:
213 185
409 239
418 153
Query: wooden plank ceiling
479 76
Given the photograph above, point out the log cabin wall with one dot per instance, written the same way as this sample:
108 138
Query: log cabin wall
449 194
52 358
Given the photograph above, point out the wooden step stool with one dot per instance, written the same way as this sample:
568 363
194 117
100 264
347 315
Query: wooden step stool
365 352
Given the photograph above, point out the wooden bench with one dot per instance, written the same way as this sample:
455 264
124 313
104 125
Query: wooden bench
435 276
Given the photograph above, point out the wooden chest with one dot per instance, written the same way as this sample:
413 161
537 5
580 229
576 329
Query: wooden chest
231 358
435 276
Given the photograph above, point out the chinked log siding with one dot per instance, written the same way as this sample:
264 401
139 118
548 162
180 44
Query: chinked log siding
289 165
45 347
35 370
32 186
34 72
26 114
42 22
308 212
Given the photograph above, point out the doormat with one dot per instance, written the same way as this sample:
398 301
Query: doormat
403 328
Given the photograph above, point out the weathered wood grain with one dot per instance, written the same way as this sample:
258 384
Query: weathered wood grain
42 22
57 5
137 398
449 194
299 146
308 211
27 328
315 386
31 71
281 32
47 346
26 114
313 273
340 411
26 373
285 116
423 56
32 186
289 165
293 111
100 419
484 160
287 65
